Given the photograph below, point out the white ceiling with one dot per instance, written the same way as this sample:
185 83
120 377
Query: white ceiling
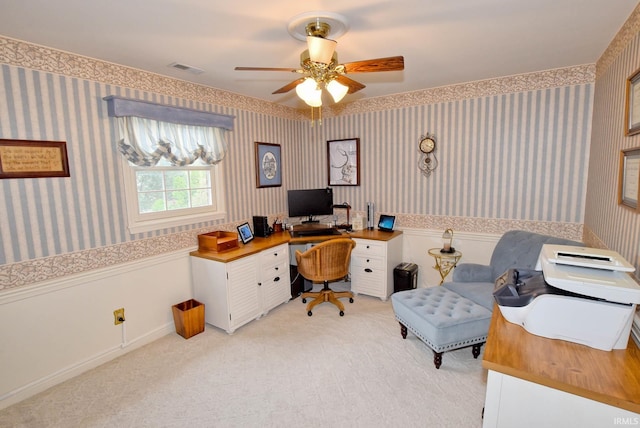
443 41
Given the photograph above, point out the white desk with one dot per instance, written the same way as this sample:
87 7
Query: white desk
534 381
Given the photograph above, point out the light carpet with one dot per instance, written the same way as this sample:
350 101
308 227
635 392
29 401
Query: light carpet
285 369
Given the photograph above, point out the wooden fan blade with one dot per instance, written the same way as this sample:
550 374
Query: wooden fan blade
289 86
392 63
352 84
266 69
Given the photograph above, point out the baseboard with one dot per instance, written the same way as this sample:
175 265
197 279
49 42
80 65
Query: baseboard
42 384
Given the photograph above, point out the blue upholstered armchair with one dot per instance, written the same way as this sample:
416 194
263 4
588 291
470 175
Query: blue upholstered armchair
515 249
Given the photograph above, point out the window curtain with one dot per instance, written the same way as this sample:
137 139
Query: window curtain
153 134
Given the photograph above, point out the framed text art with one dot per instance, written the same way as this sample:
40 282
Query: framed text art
343 162
268 165
629 178
33 159
632 105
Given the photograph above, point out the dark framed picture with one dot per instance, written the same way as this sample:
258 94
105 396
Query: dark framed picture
268 165
246 235
33 159
629 178
343 162
632 105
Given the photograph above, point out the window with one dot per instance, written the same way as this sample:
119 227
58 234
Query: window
169 189
172 172
161 197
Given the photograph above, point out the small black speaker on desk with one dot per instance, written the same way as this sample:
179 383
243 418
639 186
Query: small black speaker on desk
261 226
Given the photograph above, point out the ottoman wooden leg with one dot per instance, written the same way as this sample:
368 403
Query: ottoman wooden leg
437 359
476 349
403 330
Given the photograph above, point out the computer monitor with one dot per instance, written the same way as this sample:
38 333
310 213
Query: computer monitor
309 203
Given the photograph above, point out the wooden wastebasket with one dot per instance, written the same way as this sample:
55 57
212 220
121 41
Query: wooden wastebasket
188 317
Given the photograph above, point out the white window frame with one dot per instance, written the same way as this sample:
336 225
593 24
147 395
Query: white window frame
146 222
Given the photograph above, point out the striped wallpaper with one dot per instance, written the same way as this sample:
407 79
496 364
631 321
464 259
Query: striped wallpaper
509 156
516 155
44 217
607 223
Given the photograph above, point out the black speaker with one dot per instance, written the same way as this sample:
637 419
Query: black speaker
260 226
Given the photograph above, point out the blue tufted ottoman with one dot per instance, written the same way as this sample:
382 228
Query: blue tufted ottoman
442 319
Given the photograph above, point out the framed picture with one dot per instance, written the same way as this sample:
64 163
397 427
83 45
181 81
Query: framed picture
343 162
268 165
33 159
246 235
629 178
632 105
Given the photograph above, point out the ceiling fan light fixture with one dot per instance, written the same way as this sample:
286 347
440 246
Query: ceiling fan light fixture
320 49
309 92
337 90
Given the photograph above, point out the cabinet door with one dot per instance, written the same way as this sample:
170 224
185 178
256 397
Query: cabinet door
242 286
275 284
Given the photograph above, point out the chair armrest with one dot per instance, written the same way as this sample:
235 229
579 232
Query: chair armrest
472 272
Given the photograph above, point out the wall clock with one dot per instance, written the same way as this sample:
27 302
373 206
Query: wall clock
427 145
428 161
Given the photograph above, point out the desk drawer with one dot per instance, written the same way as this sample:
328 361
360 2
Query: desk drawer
276 272
371 282
368 267
366 261
274 256
369 247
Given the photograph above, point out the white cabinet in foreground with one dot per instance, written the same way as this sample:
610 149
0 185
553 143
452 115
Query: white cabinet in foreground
236 292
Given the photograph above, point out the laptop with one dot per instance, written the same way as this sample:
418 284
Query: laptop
386 222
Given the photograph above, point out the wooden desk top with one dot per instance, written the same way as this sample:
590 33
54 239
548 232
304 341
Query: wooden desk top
260 244
610 377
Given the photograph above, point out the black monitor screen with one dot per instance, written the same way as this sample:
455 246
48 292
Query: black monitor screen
310 202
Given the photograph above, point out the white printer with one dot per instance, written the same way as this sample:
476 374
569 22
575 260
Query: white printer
578 294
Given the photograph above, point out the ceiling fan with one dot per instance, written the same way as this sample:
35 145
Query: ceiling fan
319 66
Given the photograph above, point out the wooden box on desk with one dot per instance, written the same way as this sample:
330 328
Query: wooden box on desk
217 241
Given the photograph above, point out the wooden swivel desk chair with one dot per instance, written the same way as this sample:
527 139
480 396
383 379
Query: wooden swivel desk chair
326 262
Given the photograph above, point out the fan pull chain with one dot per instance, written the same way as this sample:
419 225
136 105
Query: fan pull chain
319 116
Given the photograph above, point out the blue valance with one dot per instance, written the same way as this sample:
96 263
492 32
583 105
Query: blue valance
122 107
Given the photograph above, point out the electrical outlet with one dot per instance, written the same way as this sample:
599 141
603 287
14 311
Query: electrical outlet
118 316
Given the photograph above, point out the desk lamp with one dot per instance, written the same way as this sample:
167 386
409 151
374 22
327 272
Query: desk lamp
347 225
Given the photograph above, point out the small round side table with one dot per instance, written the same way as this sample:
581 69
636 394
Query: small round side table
444 261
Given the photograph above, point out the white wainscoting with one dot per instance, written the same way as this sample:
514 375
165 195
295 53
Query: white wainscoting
56 330
53 331
475 248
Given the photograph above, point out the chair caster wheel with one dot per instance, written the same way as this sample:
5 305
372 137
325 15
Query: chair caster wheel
341 313
309 313
350 299
304 300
